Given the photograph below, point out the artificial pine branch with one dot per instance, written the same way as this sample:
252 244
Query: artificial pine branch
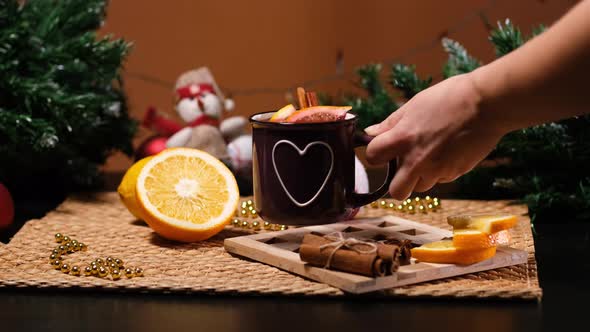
378 104
62 107
404 78
506 38
459 61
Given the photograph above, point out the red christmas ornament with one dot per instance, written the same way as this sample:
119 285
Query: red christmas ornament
6 207
150 147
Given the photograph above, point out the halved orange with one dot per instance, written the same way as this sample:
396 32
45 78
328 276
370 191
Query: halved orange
488 224
283 113
444 252
127 186
319 114
186 194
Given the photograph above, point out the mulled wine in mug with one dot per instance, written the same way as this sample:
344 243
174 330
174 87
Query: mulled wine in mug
304 172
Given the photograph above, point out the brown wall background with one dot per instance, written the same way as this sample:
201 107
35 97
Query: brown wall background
278 44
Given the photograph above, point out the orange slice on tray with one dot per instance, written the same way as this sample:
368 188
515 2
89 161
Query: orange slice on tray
488 224
319 114
283 113
445 252
472 239
186 194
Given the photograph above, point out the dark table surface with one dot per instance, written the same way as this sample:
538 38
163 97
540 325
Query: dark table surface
563 256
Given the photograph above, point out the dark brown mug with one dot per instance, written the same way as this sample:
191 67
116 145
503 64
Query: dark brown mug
303 174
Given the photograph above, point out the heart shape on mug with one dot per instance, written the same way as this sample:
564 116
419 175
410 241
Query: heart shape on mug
301 154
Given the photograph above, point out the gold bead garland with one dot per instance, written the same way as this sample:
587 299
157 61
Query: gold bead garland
246 210
98 268
410 205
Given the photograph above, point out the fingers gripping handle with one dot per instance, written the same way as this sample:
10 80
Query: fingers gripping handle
356 199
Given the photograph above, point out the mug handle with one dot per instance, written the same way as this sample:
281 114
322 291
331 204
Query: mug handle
357 200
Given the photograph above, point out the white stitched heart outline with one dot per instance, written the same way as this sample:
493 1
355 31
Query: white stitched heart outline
301 153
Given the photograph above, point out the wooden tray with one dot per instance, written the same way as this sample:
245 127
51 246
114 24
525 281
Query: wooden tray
281 249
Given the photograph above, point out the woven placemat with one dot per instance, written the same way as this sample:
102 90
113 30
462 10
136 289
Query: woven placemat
101 221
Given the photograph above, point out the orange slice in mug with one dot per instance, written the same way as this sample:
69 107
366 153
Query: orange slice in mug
283 113
319 114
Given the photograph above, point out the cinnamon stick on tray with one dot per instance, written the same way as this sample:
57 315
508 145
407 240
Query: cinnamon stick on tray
326 252
405 246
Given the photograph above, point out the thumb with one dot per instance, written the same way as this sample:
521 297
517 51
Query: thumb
386 124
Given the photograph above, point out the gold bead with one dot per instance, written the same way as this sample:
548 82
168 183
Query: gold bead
250 208
422 209
112 266
245 224
69 248
138 272
250 202
59 237
417 199
53 257
427 198
62 249
75 270
99 262
74 242
109 260
253 213
236 222
56 263
119 262
65 268
374 204
244 213
255 225
56 252
411 209
382 204
116 274
129 273
102 272
400 208
404 203
82 246
283 227
88 271
244 204
66 239
267 225
94 268
409 200
430 206
391 205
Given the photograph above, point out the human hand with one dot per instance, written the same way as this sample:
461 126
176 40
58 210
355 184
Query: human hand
437 136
